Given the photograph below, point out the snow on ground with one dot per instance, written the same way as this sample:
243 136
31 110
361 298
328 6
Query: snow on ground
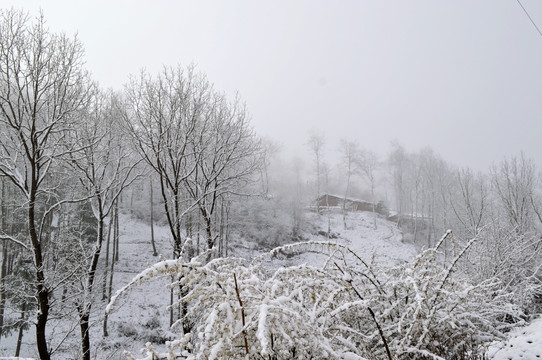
382 244
369 236
142 315
522 343
141 310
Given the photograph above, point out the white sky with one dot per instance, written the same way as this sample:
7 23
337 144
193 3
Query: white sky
463 77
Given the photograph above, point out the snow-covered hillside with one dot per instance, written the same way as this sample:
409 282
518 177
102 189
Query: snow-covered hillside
139 318
381 244
522 343
142 315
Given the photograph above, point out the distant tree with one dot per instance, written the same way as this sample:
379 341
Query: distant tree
42 88
350 153
269 149
398 161
297 199
514 181
470 205
316 145
367 162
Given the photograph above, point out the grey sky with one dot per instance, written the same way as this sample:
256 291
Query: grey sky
462 76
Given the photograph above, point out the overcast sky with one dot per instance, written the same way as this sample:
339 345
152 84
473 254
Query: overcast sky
463 77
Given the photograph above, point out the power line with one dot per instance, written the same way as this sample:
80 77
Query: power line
529 16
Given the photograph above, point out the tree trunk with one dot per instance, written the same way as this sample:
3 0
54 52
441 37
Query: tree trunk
20 334
116 234
85 338
227 228
42 291
5 259
197 242
115 224
106 267
209 231
3 273
154 253
84 313
221 233
171 320
373 201
178 240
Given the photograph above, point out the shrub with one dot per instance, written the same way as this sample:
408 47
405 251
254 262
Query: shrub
342 309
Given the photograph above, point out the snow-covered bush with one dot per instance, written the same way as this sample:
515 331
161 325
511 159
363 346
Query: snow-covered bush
342 309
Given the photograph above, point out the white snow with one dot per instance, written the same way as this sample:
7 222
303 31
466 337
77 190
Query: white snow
382 245
522 343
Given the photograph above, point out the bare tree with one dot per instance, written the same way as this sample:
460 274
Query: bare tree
163 114
514 182
316 144
269 149
227 155
368 163
350 154
42 87
398 160
469 206
105 168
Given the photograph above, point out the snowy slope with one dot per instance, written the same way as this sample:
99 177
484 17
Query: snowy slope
382 244
149 301
522 343
142 315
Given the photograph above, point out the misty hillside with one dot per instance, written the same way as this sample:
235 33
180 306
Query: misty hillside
142 314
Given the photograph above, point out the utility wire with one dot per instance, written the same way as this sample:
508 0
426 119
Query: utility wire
529 16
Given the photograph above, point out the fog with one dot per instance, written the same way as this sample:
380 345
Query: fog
461 77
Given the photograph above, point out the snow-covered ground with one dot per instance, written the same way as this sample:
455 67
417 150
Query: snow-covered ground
381 243
142 315
522 343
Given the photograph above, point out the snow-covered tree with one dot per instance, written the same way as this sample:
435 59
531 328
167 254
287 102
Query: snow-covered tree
105 168
227 156
43 86
163 114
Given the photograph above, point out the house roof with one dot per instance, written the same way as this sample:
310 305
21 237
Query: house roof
341 197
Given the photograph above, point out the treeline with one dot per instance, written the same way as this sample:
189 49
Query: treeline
68 152
501 208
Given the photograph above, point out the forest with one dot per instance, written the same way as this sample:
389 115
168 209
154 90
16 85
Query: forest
172 151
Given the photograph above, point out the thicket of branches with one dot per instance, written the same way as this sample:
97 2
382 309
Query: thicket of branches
343 309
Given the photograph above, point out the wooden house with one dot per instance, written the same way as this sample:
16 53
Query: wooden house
328 201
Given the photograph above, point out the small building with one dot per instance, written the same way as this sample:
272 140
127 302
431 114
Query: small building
329 201
410 221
